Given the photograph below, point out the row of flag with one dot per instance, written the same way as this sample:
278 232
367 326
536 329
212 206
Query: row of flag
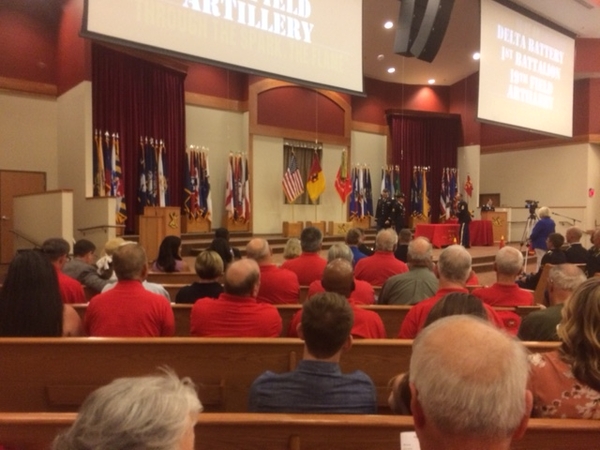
420 205
361 200
108 172
293 185
197 202
449 188
153 186
237 189
390 180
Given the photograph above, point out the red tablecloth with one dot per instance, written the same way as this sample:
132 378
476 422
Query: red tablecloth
443 234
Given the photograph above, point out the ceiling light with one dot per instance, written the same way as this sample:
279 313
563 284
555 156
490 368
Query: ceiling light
389 24
476 56
431 81
391 70
380 57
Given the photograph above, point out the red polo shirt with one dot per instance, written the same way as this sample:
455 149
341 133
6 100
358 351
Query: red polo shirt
308 267
378 267
278 286
363 292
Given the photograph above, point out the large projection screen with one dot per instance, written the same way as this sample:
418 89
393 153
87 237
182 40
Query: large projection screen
526 72
315 42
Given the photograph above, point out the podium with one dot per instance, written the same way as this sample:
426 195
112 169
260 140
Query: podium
157 223
499 223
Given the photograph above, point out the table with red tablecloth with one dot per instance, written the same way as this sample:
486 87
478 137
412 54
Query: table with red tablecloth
444 234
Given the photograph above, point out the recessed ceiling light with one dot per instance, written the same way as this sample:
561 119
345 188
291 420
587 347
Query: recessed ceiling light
431 81
476 56
391 70
389 24
380 57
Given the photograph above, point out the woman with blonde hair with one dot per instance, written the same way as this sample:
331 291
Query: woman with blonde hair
566 383
209 268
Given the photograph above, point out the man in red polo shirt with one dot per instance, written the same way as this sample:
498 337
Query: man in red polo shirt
338 277
377 268
453 270
57 251
277 286
309 265
236 313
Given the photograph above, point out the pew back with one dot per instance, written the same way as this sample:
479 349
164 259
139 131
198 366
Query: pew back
56 374
235 431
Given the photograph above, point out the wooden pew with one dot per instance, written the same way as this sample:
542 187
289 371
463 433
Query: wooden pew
248 431
182 278
56 374
391 316
304 293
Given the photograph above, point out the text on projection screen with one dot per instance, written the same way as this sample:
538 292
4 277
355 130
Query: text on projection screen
526 72
318 41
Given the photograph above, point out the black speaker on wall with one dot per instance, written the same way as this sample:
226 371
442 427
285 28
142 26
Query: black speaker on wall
422 25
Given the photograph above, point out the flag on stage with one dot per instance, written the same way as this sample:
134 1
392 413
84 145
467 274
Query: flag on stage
293 187
354 197
188 187
205 188
118 182
107 157
444 194
161 179
315 185
368 194
142 188
98 165
343 184
245 184
396 183
229 194
425 208
361 192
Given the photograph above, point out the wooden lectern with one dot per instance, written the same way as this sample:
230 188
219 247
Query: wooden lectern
157 223
499 223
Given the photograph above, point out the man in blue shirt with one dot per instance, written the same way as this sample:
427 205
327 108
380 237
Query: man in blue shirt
317 385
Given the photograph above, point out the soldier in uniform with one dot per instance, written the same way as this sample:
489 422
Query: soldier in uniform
383 213
464 218
398 212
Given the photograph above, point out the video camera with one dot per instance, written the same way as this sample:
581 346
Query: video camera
532 205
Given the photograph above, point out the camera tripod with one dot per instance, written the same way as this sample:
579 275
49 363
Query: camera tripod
531 221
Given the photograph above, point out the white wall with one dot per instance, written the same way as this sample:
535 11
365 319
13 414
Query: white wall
29 135
221 132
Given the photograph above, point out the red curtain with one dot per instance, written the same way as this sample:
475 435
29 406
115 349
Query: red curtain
422 140
134 97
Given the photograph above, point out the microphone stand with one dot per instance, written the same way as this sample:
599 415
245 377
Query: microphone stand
567 217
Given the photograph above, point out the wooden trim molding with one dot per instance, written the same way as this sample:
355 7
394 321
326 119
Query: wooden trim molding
372 128
31 87
541 143
209 101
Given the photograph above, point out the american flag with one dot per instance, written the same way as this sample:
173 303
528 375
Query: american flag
293 186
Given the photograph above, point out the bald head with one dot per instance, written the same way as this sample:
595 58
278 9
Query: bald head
242 278
573 235
454 265
386 240
258 250
483 391
130 262
338 277
509 261
420 252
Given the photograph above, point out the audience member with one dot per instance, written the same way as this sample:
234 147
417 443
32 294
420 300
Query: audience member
30 300
377 268
309 266
364 248
169 256
236 313
363 292
277 285
338 278
452 270
566 382
128 309
541 325
104 263
154 412
481 401
418 283
209 268
352 240
539 234
505 292
554 256
404 238
82 267
57 252
594 254
292 248
223 233
452 304
317 385
575 252
221 246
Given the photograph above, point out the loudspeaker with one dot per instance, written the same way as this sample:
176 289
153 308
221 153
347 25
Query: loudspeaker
422 25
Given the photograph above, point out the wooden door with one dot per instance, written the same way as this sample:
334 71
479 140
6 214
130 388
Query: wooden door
13 183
